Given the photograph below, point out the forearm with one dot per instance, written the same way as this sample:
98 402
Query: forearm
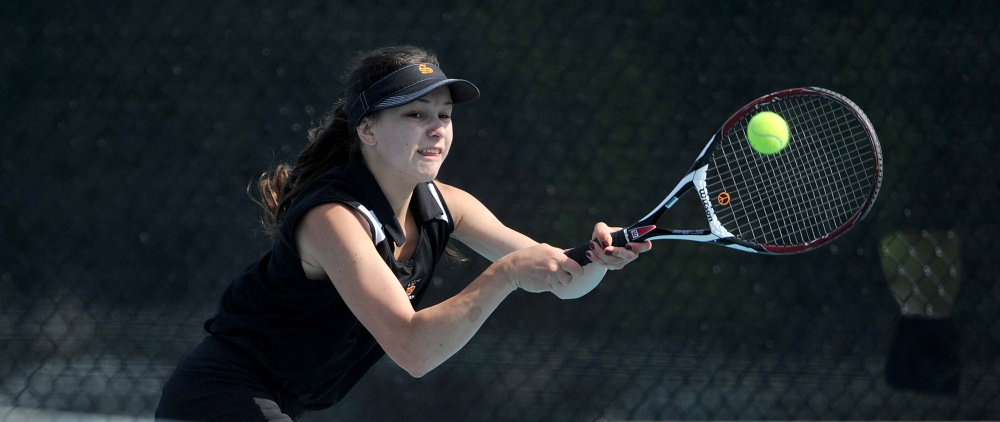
438 332
500 242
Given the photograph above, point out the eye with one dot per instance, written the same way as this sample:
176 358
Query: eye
416 114
444 116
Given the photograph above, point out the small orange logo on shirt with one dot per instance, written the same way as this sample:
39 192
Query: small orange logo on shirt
425 69
410 288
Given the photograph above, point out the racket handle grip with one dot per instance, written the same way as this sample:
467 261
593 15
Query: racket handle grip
579 253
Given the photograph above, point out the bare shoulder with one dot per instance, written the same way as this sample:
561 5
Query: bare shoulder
323 218
451 193
326 227
460 202
478 227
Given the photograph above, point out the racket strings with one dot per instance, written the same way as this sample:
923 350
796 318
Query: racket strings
806 215
831 176
813 187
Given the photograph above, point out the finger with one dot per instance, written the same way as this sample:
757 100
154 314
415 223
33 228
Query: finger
618 257
602 234
571 267
562 278
613 262
606 257
639 247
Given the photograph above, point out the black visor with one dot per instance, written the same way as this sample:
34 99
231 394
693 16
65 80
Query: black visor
405 86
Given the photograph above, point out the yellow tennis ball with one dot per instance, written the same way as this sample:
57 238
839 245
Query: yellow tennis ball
767 132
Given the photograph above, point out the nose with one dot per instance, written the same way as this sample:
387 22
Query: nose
437 129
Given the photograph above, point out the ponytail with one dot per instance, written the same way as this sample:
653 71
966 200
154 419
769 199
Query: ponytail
330 146
333 140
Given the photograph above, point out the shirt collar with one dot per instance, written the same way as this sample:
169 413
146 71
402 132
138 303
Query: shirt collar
427 203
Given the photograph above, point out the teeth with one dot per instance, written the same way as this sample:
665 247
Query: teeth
430 151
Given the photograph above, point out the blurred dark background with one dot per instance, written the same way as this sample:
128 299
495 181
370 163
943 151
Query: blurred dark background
129 133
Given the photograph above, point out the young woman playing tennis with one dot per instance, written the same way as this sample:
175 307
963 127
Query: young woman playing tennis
360 223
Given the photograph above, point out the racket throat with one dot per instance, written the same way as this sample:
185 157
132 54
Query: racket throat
634 233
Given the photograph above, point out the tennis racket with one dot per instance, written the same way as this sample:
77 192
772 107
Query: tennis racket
796 200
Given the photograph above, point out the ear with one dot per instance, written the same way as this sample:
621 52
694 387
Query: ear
364 131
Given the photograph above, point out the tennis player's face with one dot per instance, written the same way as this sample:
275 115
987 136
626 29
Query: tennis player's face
412 140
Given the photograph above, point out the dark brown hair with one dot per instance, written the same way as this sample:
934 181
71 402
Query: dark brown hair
332 141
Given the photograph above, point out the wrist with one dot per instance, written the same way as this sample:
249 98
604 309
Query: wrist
502 271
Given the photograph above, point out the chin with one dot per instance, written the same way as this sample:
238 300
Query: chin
430 170
427 176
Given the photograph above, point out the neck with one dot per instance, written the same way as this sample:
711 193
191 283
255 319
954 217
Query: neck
398 193
399 200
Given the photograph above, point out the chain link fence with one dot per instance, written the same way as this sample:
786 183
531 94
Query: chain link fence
130 132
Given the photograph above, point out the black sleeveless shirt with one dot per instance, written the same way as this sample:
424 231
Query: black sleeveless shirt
299 332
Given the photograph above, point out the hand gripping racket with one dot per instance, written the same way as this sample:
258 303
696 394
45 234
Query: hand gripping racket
798 199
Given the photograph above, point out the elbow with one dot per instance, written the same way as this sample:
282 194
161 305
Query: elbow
417 372
412 350
412 362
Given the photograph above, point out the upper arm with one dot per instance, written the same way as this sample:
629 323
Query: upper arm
478 228
336 238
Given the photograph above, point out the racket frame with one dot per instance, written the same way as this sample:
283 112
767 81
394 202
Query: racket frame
646 228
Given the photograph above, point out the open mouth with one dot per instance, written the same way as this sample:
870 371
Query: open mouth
429 151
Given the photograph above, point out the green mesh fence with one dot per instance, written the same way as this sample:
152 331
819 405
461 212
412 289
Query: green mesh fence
130 131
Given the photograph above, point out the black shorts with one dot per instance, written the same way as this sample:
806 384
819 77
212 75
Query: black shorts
215 383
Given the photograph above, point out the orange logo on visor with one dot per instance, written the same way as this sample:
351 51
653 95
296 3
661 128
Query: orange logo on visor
425 69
